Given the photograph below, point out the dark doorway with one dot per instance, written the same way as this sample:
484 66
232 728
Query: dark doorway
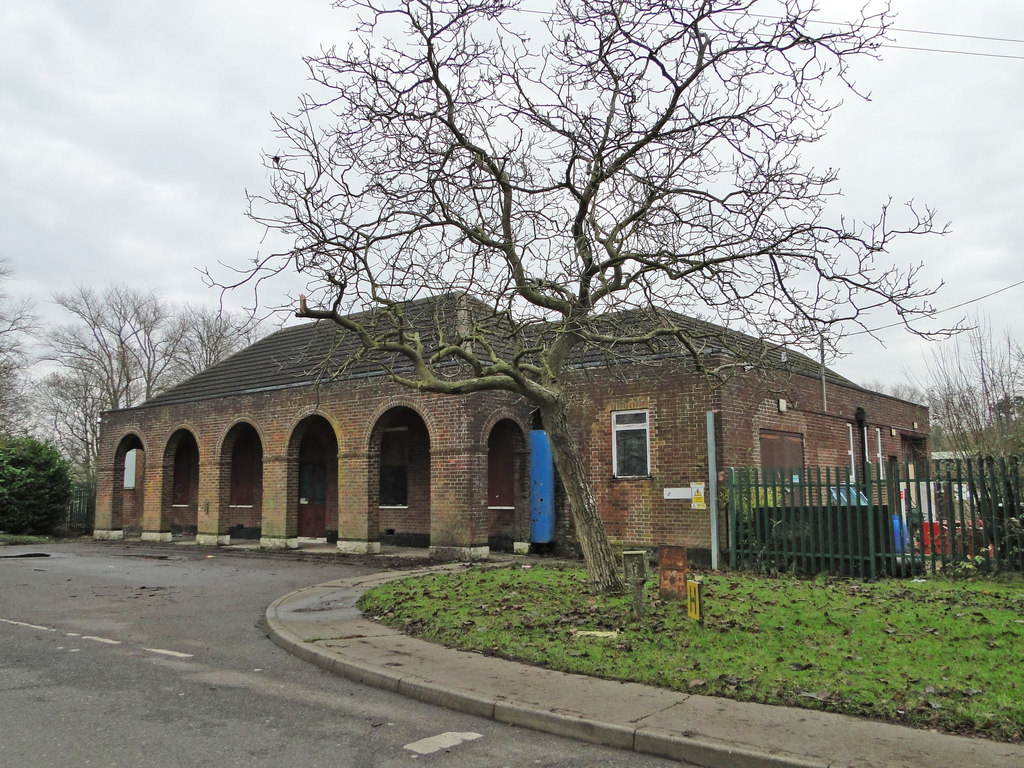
184 484
503 445
317 480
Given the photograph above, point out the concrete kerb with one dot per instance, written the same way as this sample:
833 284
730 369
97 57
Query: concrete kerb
379 677
654 741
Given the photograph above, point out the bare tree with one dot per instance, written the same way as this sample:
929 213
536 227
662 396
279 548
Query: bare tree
121 339
606 155
67 406
123 346
904 390
975 386
16 320
207 336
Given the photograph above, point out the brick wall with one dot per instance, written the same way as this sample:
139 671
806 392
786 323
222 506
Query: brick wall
447 500
447 503
677 400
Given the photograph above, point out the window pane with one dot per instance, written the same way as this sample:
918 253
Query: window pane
394 487
631 452
631 418
319 484
306 482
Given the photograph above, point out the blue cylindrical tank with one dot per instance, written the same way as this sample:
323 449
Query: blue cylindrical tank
542 489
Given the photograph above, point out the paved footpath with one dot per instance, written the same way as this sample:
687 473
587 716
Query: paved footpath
322 625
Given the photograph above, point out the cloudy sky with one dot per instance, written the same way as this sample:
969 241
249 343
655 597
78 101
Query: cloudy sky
130 130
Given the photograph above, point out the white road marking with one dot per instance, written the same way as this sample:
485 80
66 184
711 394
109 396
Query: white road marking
30 626
106 640
175 654
445 740
95 639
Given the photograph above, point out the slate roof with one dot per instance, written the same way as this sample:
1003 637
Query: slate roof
314 352
319 352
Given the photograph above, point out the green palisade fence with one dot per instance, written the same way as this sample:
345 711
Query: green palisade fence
80 515
927 517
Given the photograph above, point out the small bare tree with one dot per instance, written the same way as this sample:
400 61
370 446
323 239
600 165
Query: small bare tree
975 386
67 407
604 155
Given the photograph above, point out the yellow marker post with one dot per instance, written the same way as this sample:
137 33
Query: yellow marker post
695 600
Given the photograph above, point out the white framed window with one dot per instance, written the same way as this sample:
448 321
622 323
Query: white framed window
853 459
631 445
878 443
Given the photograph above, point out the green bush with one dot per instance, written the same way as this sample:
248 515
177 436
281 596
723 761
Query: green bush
35 485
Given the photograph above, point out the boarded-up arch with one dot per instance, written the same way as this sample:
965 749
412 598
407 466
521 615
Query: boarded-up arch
180 502
506 502
241 490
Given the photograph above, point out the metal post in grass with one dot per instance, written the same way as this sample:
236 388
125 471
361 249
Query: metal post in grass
695 600
634 565
734 512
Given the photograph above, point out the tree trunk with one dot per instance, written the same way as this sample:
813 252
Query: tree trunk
597 552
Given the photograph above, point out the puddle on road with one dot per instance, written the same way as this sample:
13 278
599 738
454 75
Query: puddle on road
27 554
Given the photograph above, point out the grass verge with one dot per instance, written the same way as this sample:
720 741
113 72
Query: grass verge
23 538
935 654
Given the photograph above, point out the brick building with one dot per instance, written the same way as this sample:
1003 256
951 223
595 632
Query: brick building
299 438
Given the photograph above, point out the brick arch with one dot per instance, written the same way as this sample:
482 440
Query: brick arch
295 433
225 435
240 492
501 414
373 420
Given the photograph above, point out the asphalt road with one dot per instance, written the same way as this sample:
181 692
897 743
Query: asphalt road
115 654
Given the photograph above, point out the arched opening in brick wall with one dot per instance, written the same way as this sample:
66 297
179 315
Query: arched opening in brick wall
129 485
241 492
317 473
399 469
506 454
181 484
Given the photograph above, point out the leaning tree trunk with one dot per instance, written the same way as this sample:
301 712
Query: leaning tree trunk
590 530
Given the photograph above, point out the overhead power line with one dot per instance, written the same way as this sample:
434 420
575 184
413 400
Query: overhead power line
942 311
958 53
908 30
957 34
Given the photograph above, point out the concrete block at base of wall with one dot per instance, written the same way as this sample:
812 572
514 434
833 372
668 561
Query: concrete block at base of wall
521 548
460 553
164 537
278 542
212 540
355 547
107 535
